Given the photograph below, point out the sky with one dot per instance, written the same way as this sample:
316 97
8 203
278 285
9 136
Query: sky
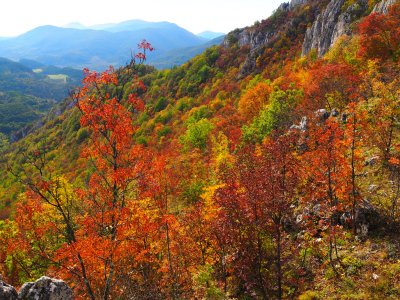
20 16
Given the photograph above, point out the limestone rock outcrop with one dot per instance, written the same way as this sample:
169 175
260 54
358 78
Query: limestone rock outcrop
383 6
257 37
7 292
45 288
295 3
335 21
332 23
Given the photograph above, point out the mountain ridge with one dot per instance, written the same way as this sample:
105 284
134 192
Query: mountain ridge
97 46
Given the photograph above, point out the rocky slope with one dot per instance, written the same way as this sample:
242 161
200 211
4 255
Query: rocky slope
383 6
264 35
333 21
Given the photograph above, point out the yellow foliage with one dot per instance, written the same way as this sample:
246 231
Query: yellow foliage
210 208
345 50
220 150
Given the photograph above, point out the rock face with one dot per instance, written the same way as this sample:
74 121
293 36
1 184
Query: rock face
256 37
295 3
7 292
353 12
45 288
319 35
332 23
383 6
366 219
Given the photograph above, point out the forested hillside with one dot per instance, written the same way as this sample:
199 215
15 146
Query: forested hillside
264 168
28 90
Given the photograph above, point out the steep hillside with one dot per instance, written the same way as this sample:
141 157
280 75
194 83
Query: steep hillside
257 170
177 56
28 90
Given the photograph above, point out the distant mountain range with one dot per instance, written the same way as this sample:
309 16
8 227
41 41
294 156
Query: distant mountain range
99 46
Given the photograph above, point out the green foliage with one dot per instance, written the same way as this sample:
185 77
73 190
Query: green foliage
274 116
255 80
25 96
346 49
184 104
161 104
198 72
232 37
82 135
165 130
196 135
192 192
142 140
352 264
164 116
144 117
3 142
347 4
19 262
198 113
17 110
205 284
371 4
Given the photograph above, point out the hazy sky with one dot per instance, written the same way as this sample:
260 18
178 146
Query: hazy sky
19 16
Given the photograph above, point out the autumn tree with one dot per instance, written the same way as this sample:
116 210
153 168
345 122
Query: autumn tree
380 35
255 202
254 100
325 189
329 86
103 238
161 189
353 136
119 165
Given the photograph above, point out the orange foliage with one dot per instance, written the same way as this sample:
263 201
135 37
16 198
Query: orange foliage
251 103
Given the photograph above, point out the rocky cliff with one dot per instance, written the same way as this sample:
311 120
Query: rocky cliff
255 37
332 23
260 35
295 3
336 20
7 292
383 6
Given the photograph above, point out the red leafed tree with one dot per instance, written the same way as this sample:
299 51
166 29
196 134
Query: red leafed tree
380 35
161 187
112 218
257 198
354 139
102 238
330 86
325 188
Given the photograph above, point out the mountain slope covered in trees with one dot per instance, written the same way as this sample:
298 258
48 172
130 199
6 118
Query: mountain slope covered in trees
28 90
250 172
